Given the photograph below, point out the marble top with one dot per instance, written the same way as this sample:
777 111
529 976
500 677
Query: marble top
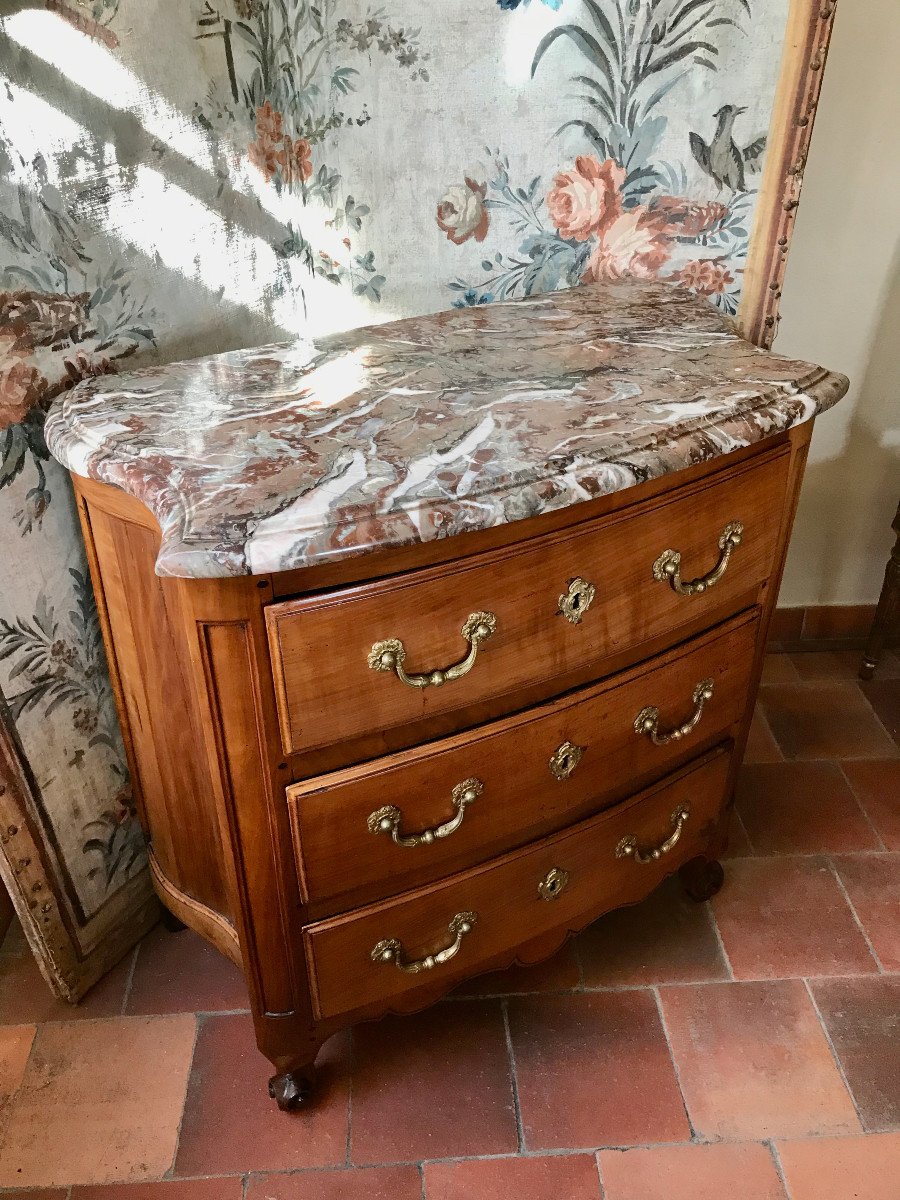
287 455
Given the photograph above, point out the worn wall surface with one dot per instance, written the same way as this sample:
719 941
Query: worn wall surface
183 178
841 306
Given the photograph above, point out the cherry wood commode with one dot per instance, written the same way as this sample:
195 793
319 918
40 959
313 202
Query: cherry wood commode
366 781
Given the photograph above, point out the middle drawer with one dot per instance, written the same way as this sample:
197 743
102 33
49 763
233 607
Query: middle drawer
376 829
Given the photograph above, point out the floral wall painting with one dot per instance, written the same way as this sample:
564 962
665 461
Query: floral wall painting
179 179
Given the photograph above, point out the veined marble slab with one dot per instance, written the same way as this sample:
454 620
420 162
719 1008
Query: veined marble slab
282 456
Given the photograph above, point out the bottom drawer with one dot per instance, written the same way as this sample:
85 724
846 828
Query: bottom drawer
452 928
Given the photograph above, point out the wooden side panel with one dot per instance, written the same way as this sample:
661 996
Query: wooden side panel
158 707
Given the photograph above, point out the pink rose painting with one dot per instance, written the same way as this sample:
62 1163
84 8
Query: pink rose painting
635 244
587 199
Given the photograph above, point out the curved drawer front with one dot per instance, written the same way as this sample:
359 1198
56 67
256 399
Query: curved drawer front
378 829
401 650
448 931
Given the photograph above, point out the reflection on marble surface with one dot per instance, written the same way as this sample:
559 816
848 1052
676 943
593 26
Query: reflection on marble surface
282 456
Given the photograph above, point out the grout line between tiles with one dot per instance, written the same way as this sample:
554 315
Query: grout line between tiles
721 943
865 812
511 1057
198 1022
599 1170
348 1155
854 914
834 1054
677 1073
776 1159
129 980
422 1180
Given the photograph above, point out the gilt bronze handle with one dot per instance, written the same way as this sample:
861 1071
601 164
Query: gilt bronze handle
647 720
387 819
390 654
628 846
391 949
667 568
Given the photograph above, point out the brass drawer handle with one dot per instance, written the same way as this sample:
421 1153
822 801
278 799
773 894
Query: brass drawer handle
390 654
576 600
647 720
387 819
628 847
391 949
565 759
667 568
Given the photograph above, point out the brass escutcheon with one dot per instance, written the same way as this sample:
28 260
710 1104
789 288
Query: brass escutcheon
565 759
552 884
574 603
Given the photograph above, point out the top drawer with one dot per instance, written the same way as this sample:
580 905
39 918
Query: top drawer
401 650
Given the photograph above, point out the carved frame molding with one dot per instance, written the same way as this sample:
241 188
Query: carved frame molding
806 41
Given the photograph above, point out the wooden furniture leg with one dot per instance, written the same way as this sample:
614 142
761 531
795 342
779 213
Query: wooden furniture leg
887 614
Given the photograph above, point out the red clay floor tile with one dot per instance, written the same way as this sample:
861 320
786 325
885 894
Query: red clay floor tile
25 998
744 1170
15 1046
754 1062
230 1122
884 696
40 1193
358 1183
784 917
849 1168
877 787
872 882
801 808
100 1102
560 973
778 668
174 1189
551 1177
433 1085
665 939
739 845
828 720
814 666
180 972
594 1069
862 1017
761 745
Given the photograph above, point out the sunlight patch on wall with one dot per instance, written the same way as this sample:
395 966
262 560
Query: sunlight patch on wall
91 66
523 36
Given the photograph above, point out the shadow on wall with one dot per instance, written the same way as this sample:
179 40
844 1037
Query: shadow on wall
869 464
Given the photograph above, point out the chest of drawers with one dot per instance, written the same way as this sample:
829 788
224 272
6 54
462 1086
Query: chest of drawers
368 776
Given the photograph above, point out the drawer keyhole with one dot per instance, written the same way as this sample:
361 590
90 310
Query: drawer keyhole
553 883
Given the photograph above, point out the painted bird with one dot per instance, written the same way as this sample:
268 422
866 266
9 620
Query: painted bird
723 159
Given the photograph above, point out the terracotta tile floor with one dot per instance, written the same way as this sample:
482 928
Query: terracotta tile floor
749 1047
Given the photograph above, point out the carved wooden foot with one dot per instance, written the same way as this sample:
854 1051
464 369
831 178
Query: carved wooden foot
294 1088
702 878
171 922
